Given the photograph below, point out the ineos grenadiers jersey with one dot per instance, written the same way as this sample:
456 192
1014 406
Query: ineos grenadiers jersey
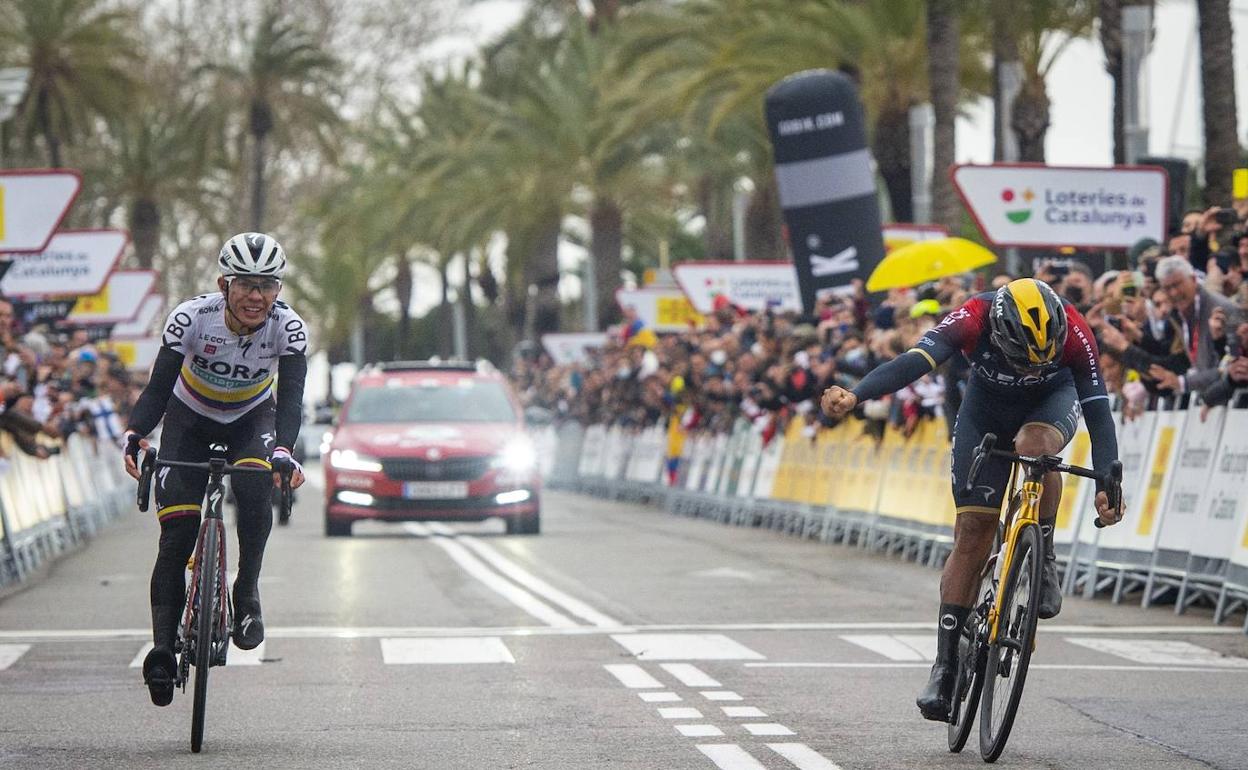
224 375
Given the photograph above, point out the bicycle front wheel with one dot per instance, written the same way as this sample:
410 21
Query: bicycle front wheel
972 655
1009 656
206 587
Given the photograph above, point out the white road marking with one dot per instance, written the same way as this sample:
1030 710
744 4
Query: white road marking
680 712
1163 652
803 757
896 647
632 675
689 675
364 632
1049 666
445 651
10 653
659 697
730 756
685 647
766 728
721 695
742 712
509 591
699 731
539 586
235 657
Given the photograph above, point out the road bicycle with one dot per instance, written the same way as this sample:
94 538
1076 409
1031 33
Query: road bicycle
204 633
999 635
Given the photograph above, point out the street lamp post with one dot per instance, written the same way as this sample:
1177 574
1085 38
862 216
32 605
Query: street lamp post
12 89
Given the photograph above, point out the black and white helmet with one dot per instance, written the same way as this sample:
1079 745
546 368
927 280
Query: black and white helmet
252 254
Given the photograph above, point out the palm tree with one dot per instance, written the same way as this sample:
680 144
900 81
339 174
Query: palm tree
1046 28
81 55
942 67
286 81
1217 91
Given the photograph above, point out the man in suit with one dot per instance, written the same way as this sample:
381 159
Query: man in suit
1204 319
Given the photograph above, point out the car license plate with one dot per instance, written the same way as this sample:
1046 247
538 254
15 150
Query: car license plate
435 490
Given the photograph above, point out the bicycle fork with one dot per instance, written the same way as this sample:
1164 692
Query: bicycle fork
1005 561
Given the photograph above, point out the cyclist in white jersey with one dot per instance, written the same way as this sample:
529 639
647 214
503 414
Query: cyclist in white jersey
230 371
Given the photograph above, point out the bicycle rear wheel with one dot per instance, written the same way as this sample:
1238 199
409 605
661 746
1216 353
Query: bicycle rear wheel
1009 657
206 577
972 656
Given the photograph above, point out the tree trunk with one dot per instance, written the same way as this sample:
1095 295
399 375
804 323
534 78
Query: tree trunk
942 66
606 248
764 222
403 283
446 321
43 111
145 231
260 124
714 198
1110 13
1004 58
1031 120
891 147
545 261
470 307
1217 88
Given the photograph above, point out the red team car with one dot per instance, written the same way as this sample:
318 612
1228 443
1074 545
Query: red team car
431 442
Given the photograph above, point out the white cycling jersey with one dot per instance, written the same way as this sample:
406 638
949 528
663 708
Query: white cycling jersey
225 375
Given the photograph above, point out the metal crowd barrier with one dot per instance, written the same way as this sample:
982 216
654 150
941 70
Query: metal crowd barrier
1183 540
51 506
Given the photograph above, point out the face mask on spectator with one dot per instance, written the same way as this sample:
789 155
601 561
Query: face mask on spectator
719 357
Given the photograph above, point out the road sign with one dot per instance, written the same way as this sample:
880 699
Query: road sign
572 347
136 354
661 310
118 302
75 263
1032 205
749 285
141 325
32 205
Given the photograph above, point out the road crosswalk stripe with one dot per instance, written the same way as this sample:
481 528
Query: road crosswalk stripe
235 657
900 647
742 712
659 697
803 757
730 756
1160 652
680 712
685 647
10 653
689 675
406 652
721 695
766 728
632 676
699 731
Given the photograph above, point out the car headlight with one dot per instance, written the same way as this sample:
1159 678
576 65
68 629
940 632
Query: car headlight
327 441
350 460
518 456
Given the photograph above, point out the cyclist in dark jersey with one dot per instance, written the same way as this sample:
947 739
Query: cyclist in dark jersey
1034 369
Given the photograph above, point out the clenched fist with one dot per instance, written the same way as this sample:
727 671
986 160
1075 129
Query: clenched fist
1108 516
837 401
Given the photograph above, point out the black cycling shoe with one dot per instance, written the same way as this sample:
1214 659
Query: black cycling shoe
159 668
936 700
1050 590
248 629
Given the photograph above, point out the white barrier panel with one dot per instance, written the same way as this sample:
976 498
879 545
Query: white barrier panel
768 466
732 470
749 462
592 451
699 457
1221 513
1190 481
1076 490
719 458
1135 448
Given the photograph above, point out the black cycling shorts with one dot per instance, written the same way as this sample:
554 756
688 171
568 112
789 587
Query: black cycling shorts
187 437
988 411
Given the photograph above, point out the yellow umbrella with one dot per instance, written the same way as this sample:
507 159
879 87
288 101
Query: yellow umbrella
925 261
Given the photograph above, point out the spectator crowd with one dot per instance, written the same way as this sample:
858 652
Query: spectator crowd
1170 325
57 383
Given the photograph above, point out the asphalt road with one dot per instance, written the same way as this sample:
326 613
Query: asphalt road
622 637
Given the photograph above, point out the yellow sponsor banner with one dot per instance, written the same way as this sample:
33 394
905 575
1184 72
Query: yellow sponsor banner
1070 483
892 464
93 304
676 311
1156 478
826 457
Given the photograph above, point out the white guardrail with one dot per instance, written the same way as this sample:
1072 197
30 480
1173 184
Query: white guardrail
1184 538
51 506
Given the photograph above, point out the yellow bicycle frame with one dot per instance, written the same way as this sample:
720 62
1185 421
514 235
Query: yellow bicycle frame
1028 513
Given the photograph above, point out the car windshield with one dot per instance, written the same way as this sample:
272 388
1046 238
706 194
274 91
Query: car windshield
464 401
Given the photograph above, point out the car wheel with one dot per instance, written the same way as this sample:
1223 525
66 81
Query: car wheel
528 524
337 527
